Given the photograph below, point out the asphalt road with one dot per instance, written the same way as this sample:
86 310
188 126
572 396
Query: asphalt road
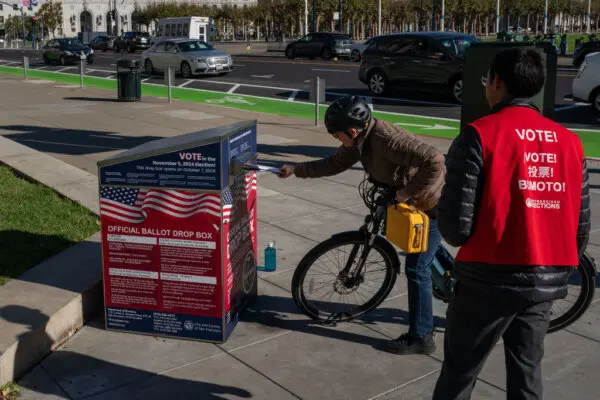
277 77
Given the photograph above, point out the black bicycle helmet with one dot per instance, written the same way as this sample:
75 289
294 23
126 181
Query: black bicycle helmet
347 112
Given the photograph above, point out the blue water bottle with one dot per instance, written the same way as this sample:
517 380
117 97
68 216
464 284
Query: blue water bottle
270 257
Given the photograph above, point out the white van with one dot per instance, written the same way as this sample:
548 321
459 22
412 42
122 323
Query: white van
183 28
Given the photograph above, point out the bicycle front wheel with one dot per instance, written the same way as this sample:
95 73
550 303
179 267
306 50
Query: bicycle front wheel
325 293
582 286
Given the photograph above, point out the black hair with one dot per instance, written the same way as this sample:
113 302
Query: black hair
521 70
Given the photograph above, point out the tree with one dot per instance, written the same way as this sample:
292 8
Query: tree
12 27
51 16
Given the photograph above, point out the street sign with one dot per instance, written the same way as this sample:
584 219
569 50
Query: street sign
336 16
317 85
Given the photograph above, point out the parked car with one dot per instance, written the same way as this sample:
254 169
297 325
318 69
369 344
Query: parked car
189 57
358 48
586 85
325 45
102 42
429 61
583 50
132 41
66 51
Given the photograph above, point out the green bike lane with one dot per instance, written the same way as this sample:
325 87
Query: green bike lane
419 125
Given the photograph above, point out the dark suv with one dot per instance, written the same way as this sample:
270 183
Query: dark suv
429 61
132 41
325 45
583 50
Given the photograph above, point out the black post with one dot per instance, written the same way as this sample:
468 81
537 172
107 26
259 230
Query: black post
433 20
314 16
421 17
341 19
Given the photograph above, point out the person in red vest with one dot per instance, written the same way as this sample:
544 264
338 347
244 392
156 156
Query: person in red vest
516 202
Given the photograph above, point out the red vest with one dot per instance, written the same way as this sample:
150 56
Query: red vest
529 209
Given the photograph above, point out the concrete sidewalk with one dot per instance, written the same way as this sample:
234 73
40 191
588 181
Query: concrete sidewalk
275 353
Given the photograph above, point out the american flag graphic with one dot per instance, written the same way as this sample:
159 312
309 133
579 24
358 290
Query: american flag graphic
133 205
228 196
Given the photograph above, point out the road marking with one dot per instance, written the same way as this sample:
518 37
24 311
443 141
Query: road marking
184 84
63 69
346 65
41 68
276 99
293 96
113 76
239 65
400 100
565 108
246 85
146 79
428 127
584 130
262 76
231 99
233 88
330 70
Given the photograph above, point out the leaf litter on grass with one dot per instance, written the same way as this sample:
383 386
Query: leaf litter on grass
36 223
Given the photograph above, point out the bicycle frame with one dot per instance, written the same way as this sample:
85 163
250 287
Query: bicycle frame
373 226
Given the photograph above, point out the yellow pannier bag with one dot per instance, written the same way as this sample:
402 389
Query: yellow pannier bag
407 228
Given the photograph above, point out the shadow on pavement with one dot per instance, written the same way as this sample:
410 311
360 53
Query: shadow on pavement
98 99
89 371
287 151
23 250
275 311
72 141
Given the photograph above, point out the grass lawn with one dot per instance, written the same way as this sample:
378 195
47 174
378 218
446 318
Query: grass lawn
10 391
571 37
35 224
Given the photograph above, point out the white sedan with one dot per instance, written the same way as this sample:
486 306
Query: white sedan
358 48
586 86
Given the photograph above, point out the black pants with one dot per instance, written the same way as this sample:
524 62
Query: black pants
476 320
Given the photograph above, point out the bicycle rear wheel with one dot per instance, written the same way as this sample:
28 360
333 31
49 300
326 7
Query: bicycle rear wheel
319 274
582 286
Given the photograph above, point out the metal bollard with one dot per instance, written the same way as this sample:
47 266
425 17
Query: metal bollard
25 66
317 95
169 78
317 100
81 70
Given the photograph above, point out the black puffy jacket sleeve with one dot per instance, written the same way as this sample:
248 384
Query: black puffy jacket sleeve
461 195
584 227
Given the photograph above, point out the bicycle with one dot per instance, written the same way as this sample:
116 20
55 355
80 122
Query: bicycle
371 237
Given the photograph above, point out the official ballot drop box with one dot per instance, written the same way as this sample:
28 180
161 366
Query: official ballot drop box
179 234
479 57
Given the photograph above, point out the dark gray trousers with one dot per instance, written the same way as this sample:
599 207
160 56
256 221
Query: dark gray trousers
476 320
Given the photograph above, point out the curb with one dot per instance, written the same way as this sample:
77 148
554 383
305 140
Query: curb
46 305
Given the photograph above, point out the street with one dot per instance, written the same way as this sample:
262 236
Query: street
277 77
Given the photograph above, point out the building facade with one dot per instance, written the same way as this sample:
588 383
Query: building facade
97 15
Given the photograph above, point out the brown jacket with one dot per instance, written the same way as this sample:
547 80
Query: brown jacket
391 156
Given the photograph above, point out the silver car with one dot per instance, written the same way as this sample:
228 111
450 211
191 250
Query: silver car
188 56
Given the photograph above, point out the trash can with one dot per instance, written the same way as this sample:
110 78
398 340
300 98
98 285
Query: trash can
478 58
129 80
